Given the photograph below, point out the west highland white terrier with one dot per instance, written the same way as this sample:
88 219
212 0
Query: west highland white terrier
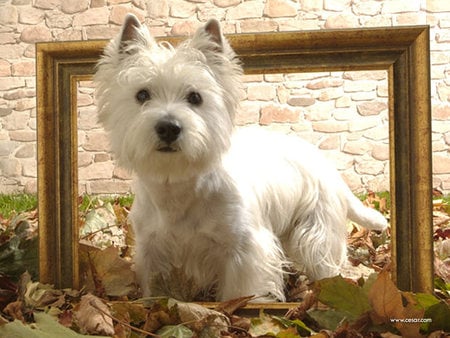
216 209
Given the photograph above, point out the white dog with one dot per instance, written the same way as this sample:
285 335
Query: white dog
215 209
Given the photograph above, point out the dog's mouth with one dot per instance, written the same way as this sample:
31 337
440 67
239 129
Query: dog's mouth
168 149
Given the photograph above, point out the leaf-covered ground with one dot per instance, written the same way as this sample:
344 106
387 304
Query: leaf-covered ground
362 303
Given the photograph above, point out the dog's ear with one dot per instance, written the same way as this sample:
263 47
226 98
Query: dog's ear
130 29
215 33
133 36
209 38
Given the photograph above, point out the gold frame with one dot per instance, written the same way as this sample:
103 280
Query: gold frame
402 51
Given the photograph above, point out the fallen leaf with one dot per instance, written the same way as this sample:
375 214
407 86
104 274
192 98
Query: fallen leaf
93 316
230 306
210 322
343 296
175 331
44 327
388 306
106 273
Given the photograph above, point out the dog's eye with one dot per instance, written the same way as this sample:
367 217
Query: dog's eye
194 98
143 95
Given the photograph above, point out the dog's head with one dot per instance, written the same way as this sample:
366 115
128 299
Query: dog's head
169 110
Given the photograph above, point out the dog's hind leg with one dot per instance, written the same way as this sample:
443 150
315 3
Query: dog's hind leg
364 216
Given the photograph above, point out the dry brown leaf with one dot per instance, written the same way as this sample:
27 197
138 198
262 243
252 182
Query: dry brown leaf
93 317
232 305
385 299
106 272
388 304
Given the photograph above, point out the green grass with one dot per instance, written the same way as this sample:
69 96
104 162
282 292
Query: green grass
91 201
17 203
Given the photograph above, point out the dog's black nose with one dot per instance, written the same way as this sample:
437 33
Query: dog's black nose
168 130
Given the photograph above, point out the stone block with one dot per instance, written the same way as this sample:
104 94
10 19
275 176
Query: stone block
344 114
8 15
376 21
25 104
256 25
330 126
341 21
96 141
24 68
330 94
18 120
380 152
360 86
365 75
261 92
311 5
353 181
4 111
109 187
280 8
22 135
38 33
208 10
92 16
336 5
87 117
99 170
118 14
363 123
366 167
301 101
377 133
31 16
101 32
358 147
400 6
441 164
72 7
158 9
26 151
410 19
441 112
7 147
370 8
122 174
330 142
184 28
436 6
443 92
325 83
248 113
182 9
47 4
56 19
363 96
226 3
371 108
246 10
102 157
10 167
12 52
84 158
271 114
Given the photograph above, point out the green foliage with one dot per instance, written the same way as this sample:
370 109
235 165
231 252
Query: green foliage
45 327
89 202
16 203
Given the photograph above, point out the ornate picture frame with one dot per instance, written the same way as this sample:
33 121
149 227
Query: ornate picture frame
402 51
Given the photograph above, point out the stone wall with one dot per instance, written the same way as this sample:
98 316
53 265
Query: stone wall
344 113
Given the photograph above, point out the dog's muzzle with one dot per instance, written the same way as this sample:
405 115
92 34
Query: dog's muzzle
168 132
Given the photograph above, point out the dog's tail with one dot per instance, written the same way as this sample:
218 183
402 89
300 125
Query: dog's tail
364 216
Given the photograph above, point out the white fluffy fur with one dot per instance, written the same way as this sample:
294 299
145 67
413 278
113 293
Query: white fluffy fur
229 209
